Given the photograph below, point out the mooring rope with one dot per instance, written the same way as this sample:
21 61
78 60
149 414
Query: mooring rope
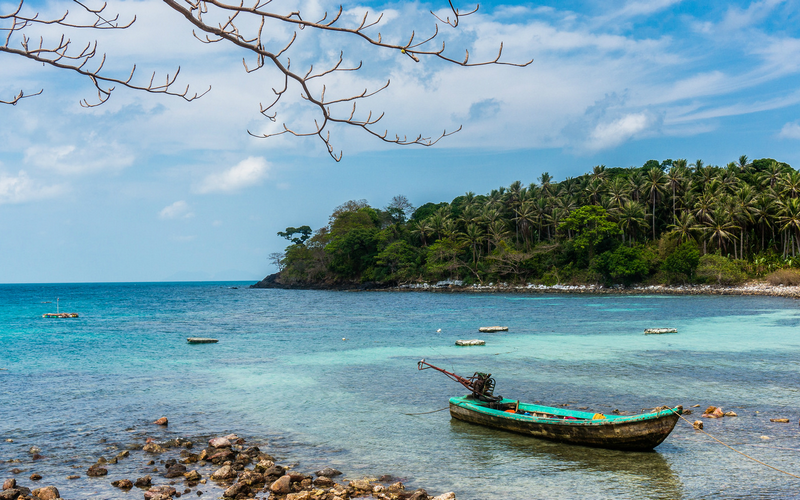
426 412
734 449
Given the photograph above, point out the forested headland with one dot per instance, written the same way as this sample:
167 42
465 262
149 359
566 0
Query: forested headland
665 222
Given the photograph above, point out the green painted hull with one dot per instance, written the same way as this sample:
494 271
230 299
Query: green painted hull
634 433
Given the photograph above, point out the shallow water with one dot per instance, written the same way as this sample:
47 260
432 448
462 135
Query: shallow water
282 373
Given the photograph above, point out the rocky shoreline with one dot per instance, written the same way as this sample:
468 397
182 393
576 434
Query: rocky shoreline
749 288
227 467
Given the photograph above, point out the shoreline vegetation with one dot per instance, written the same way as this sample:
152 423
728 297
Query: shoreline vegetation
664 227
750 288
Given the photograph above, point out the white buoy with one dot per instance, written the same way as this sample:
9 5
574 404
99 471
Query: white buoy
439 330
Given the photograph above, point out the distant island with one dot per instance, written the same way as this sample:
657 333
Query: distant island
664 223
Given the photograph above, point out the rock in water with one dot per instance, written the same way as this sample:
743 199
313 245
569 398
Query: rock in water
153 448
446 496
219 442
125 484
193 476
143 482
162 421
226 472
713 412
96 471
780 420
698 424
328 472
46 493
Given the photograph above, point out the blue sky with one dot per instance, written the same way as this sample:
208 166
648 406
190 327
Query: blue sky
151 188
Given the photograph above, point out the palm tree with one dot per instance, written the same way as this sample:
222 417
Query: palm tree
790 223
498 231
771 175
675 178
618 191
545 181
422 229
743 164
631 216
764 210
656 180
594 189
743 210
637 184
789 184
599 172
474 236
684 227
525 217
719 227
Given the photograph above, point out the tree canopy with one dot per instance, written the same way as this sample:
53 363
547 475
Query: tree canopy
665 222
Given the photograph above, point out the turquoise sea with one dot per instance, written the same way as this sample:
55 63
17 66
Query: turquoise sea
282 373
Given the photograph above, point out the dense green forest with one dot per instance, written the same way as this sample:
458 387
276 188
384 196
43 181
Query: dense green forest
663 223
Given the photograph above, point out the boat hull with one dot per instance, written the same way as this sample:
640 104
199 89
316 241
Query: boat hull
632 433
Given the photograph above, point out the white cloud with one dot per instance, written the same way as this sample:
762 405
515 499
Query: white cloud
790 131
21 189
91 156
178 210
247 172
610 134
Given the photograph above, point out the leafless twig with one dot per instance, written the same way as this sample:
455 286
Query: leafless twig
218 22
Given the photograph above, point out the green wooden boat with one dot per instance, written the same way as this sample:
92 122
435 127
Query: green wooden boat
621 432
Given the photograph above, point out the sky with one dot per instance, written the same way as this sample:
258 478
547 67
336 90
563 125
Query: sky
149 187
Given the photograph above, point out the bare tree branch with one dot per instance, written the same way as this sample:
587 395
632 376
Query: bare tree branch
218 22
60 54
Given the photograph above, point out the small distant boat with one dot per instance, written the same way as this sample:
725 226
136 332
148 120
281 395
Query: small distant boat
658 331
201 340
470 342
493 329
620 432
59 314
